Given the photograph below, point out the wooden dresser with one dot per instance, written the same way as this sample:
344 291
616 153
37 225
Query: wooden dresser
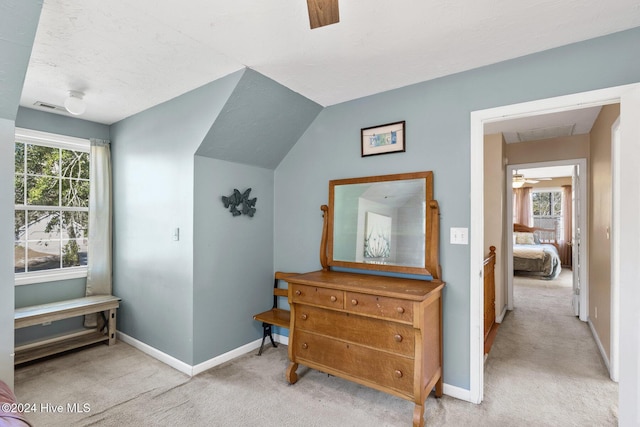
382 332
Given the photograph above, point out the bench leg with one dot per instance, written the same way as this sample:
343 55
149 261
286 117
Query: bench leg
112 326
266 331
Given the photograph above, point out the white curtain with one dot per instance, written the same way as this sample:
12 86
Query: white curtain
99 252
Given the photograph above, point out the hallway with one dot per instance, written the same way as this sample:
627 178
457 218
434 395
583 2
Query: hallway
544 365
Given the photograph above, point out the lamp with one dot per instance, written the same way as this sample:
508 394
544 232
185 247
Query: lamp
517 183
74 103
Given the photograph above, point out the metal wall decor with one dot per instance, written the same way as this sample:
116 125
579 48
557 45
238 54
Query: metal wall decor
233 201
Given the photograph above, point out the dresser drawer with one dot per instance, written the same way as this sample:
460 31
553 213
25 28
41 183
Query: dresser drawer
317 296
378 367
385 307
378 334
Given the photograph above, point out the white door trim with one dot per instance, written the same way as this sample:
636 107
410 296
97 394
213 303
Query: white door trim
615 258
629 142
629 257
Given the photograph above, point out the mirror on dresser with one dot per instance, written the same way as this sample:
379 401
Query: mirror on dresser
385 223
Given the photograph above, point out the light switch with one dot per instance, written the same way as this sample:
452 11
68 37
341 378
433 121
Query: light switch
176 234
459 236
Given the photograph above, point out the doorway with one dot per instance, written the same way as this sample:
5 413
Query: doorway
628 251
577 172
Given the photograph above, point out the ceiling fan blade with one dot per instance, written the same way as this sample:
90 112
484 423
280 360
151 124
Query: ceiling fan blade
323 12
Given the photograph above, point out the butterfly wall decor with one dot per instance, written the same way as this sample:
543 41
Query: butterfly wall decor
234 201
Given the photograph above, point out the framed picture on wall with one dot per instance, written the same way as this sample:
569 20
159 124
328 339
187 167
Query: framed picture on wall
383 139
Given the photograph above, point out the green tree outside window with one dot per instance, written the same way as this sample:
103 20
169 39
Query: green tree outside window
51 207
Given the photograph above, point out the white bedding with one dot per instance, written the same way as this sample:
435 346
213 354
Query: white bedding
542 260
528 251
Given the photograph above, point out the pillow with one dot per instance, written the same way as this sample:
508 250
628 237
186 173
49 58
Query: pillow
524 238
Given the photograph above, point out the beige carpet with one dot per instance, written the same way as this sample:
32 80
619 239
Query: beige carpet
543 370
545 365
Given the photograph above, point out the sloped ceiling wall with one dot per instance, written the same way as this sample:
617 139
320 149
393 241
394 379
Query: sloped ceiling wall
259 123
18 23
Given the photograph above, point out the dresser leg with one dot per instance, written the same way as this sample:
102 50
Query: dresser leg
292 377
418 419
439 387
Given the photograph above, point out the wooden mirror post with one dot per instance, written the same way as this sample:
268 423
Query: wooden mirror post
323 240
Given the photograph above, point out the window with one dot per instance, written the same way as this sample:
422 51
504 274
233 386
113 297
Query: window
51 206
547 209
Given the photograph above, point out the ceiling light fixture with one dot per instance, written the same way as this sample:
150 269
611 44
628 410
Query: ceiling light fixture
74 103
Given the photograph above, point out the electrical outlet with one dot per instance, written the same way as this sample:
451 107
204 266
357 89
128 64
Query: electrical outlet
596 312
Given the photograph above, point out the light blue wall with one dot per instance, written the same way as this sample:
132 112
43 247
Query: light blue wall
18 24
233 257
220 272
42 293
259 124
437 115
7 133
63 125
153 187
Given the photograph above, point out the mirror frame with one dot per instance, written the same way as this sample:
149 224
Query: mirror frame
432 228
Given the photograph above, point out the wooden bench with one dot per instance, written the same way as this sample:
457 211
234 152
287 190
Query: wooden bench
46 313
275 316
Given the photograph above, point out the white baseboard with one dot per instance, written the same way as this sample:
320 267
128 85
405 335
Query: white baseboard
219 360
281 339
603 353
225 357
449 390
201 367
457 392
500 318
156 354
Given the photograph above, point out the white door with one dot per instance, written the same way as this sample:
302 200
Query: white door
575 238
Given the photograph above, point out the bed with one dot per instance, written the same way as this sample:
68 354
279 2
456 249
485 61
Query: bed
535 252
10 410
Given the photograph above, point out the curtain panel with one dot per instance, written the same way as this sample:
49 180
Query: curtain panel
522 212
100 213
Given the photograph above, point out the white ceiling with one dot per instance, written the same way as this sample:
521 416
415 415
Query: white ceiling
542 126
546 172
128 55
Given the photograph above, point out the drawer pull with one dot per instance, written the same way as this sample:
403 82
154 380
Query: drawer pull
398 373
304 317
354 302
298 292
333 298
305 346
398 338
400 310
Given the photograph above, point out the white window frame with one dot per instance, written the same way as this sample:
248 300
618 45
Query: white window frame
29 136
559 231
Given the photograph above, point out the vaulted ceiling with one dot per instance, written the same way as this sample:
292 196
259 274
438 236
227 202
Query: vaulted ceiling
127 56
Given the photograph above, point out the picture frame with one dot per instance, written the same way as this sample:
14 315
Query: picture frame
383 139
377 238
